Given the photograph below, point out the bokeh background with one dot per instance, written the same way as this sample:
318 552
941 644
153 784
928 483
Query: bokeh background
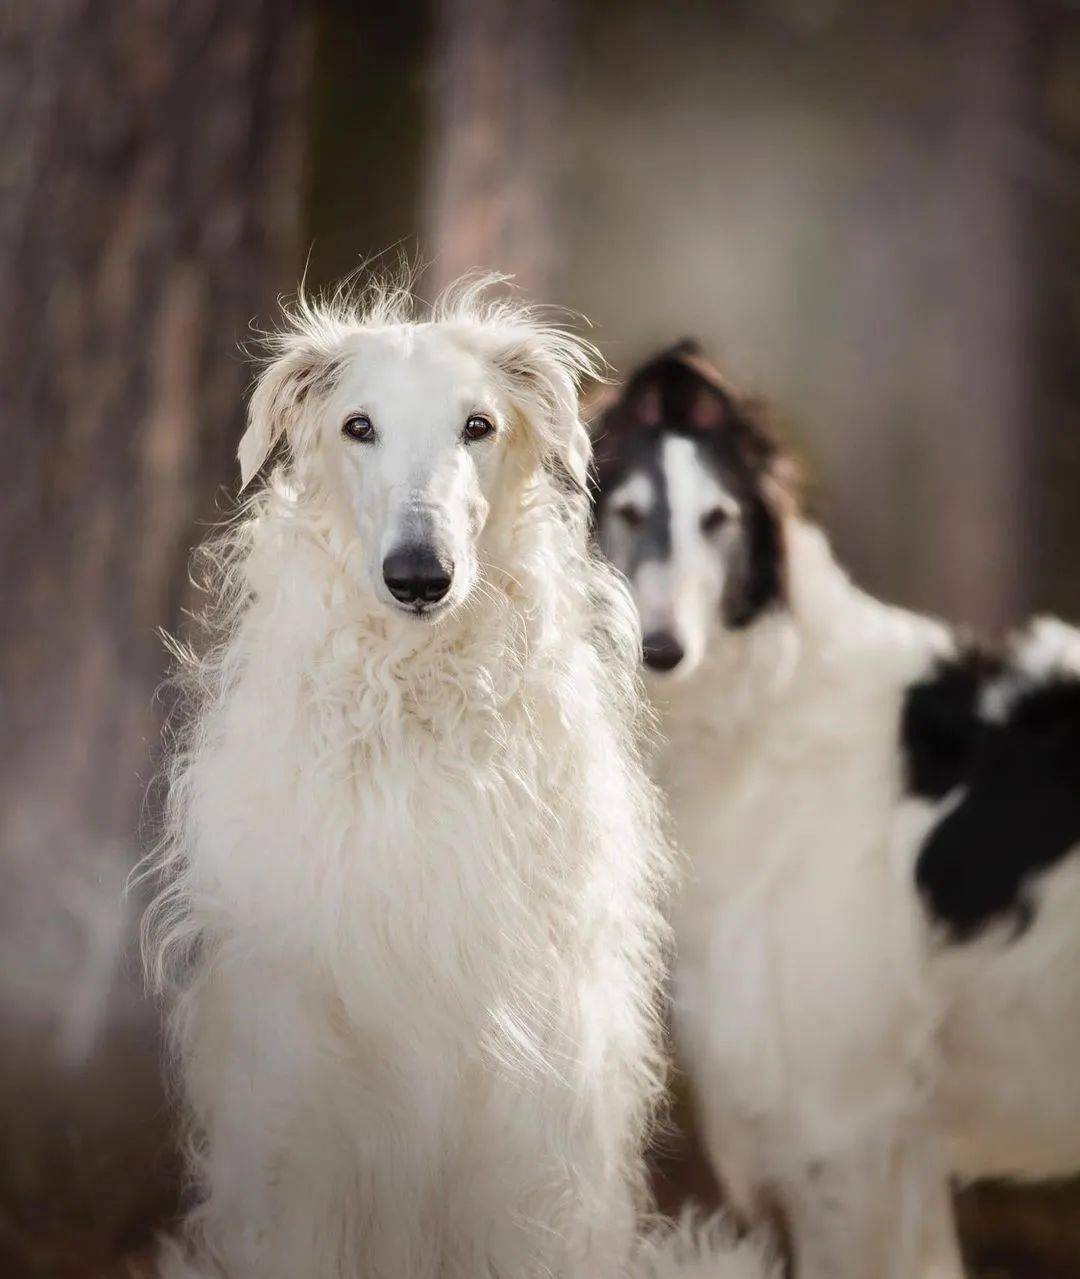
868 209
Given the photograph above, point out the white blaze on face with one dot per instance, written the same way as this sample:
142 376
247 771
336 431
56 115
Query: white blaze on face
679 592
417 483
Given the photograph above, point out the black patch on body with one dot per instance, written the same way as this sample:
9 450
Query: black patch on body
940 725
1019 811
679 393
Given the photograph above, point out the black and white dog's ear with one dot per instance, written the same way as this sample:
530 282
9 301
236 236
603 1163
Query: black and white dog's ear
277 404
757 576
542 369
767 476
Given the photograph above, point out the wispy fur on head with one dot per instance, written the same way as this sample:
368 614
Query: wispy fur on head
541 362
410 876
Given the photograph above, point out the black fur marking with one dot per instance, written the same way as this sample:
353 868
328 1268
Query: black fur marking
940 726
679 393
759 580
644 456
1019 813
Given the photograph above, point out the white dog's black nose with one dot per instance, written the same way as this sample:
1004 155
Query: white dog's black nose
662 651
416 575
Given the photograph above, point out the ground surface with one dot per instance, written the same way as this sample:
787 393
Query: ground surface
1009 1232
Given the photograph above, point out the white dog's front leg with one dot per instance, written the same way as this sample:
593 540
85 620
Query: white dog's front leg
535 1192
304 1167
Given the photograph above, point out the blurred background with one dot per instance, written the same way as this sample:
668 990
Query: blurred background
868 209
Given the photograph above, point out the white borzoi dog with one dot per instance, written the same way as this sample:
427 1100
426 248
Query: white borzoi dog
412 864
878 947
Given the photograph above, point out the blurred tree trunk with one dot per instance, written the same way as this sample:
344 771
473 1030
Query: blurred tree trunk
367 132
496 140
152 156
954 536
981 466
1052 162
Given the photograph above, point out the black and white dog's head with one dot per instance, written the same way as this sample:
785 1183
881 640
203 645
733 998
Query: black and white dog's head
689 506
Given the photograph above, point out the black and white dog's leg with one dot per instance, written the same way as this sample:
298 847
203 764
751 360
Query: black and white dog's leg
882 1211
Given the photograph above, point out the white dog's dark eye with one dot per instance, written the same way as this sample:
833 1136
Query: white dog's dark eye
476 428
631 516
358 427
712 520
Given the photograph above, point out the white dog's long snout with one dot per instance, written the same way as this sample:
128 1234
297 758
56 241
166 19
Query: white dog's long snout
420 558
418 516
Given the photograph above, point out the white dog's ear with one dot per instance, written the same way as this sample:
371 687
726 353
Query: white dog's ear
542 368
276 405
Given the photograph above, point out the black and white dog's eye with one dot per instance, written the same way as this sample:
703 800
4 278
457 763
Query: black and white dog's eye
631 516
477 427
712 520
358 427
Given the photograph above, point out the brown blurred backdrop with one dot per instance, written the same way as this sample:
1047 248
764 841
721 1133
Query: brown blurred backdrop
868 209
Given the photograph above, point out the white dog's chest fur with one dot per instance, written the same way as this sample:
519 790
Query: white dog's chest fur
416 818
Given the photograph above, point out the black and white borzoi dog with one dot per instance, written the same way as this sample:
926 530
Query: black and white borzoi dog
409 921
878 945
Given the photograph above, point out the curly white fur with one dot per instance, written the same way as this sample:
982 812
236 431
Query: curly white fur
409 920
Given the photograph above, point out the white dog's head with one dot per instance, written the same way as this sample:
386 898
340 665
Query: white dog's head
423 434
689 507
